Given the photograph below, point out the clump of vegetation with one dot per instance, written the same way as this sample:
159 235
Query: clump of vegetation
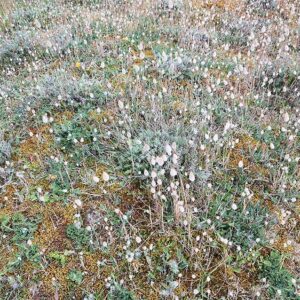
59 257
280 280
79 236
19 226
119 292
242 224
75 276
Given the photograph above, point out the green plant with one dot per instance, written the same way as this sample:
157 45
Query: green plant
79 236
119 292
19 226
75 276
278 277
245 226
5 149
26 252
59 257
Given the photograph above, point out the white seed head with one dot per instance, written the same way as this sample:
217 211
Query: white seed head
160 160
191 177
45 119
96 179
168 149
173 172
78 202
105 176
234 206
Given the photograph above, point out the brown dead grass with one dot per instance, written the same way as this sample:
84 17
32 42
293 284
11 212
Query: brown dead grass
37 147
51 233
243 152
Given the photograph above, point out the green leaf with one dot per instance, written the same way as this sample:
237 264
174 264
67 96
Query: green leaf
76 276
267 263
